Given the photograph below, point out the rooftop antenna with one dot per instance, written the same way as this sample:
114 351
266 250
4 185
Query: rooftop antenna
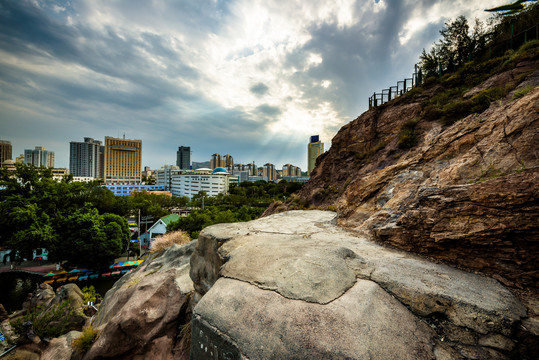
124 136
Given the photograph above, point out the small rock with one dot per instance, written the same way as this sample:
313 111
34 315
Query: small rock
497 341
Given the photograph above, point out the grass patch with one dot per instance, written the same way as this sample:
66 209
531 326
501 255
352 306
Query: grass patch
170 238
490 173
154 271
84 342
133 282
52 323
408 135
522 92
185 335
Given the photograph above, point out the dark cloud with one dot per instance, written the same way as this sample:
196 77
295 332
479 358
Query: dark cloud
259 89
25 29
268 110
359 58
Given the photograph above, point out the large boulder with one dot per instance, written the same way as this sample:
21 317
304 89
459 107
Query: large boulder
296 286
142 316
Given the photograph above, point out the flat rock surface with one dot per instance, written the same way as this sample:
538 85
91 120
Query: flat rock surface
364 323
324 292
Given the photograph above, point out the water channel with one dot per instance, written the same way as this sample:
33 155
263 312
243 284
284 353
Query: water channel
15 287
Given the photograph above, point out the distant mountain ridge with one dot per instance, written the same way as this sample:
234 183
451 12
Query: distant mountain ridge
200 164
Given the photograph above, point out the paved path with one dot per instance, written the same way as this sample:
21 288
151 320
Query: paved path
32 266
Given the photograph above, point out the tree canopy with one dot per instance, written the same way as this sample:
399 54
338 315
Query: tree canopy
83 224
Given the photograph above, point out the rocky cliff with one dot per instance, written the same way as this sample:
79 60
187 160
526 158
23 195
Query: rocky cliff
465 194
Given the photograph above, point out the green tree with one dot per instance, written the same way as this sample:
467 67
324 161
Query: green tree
91 240
31 229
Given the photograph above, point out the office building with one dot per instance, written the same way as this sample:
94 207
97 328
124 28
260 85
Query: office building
269 172
314 150
9 165
5 151
164 176
183 157
214 183
39 157
85 158
123 161
59 173
291 170
19 159
226 161
128 189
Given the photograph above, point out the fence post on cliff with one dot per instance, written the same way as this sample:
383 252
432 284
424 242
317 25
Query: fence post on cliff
511 34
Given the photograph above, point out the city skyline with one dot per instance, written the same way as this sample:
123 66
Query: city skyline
159 166
254 79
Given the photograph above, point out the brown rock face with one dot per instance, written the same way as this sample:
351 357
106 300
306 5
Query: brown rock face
141 317
489 226
465 194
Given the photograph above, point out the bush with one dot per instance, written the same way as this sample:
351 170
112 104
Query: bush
84 342
407 135
90 294
170 238
52 322
456 110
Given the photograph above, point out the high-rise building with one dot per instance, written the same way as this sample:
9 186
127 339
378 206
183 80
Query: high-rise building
5 151
229 162
226 161
123 160
183 157
269 172
85 158
39 157
314 150
252 168
215 161
291 170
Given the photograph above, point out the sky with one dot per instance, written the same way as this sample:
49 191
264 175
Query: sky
253 79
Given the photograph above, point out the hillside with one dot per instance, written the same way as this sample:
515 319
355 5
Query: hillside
449 170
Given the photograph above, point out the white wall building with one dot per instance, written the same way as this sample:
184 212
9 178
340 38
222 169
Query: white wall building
164 175
126 189
189 184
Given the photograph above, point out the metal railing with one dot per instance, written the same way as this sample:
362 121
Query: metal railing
400 89
493 50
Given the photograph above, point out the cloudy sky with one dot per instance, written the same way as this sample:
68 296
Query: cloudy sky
250 78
